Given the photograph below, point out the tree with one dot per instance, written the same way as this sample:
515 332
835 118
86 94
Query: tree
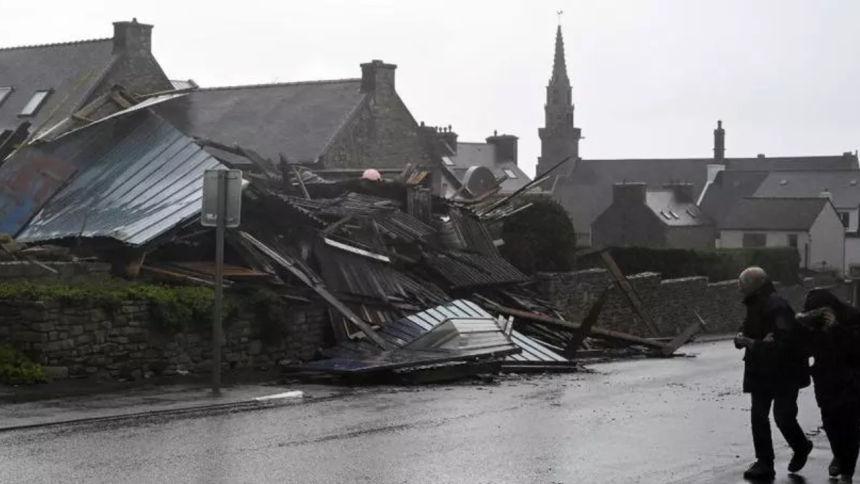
540 238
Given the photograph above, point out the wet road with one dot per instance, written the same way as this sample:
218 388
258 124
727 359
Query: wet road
649 421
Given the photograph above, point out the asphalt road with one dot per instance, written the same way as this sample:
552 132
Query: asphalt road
650 421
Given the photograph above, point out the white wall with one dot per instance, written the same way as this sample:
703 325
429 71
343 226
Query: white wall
827 245
734 239
852 252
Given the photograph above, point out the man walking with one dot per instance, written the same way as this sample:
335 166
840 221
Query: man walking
775 369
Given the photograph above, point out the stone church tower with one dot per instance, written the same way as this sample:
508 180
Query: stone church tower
559 138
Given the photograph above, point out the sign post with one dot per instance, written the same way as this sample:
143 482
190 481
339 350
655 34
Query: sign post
222 209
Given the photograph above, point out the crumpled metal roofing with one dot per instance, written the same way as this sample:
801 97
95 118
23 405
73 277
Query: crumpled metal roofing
145 181
465 269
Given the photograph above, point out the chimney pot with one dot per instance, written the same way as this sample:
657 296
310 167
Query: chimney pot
719 142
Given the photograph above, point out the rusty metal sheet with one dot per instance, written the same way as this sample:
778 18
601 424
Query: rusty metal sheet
27 181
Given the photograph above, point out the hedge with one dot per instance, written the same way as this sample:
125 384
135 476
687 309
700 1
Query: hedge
781 264
539 238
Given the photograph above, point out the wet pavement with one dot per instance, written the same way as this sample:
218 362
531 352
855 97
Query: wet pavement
649 421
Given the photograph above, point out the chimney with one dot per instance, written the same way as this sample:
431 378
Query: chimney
628 193
377 77
826 194
435 136
683 192
760 156
719 142
449 137
506 147
132 38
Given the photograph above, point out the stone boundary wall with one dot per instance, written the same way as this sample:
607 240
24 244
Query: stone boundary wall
77 342
672 303
66 272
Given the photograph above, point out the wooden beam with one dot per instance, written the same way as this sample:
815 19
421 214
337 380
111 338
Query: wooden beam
595 332
628 291
320 289
587 325
682 338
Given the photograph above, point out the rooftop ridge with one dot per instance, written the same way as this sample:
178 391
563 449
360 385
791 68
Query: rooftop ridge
807 199
275 84
56 44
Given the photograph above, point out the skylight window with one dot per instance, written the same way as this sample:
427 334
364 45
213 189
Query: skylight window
665 215
674 215
4 93
510 173
34 103
447 161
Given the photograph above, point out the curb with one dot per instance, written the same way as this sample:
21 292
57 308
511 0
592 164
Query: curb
258 403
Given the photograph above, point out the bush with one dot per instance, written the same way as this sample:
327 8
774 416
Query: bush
539 238
16 369
781 264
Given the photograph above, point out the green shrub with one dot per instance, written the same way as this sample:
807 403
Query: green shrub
539 238
16 369
781 264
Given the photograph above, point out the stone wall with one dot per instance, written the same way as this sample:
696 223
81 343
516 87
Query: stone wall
671 303
55 273
74 341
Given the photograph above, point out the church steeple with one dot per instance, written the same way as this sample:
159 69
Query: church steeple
559 138
559 66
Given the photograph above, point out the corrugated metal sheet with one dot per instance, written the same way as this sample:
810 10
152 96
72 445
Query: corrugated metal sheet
533 351
464 269
148 181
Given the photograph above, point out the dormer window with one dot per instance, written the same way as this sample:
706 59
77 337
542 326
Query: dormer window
4 93
510 173
35 103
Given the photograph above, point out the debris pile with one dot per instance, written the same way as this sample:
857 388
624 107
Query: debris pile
415 284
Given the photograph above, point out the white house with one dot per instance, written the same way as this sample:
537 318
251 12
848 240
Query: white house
841 186
812 225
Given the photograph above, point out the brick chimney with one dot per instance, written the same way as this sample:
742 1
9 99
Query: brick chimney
683 192
719 142
377 77
628 193
435 136
132 38
506 146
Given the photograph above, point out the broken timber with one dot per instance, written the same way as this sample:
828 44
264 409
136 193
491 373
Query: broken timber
319 289
628 291
587 325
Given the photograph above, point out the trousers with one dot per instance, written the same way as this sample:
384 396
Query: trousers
842 426
784 414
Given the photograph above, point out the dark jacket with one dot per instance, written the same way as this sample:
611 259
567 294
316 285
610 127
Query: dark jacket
779 365
836 352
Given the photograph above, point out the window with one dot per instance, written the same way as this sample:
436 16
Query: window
510 173
844 216
792 240
447 161
755 240
4 93
34 103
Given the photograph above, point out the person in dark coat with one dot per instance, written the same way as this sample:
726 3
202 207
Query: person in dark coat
835 347
775 369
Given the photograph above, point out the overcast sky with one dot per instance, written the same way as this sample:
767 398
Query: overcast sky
650 77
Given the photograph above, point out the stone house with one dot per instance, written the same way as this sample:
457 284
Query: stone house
337 128
811 225
42 85
639 216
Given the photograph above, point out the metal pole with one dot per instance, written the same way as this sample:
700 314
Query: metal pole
219 285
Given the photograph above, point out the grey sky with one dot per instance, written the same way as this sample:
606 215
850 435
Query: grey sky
650 77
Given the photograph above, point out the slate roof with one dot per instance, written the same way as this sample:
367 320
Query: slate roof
774 214
843 185
673 212
587 191
484 154
71 69
298 120
727 189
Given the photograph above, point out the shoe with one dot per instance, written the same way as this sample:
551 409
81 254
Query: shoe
845 479
798 460
834 468
760 470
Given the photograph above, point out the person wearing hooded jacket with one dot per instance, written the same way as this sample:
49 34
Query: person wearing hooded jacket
776 367
834 343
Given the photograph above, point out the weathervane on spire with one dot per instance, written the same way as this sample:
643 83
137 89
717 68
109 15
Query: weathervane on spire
559 13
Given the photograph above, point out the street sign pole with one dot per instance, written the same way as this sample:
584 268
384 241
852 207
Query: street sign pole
222 209
219 282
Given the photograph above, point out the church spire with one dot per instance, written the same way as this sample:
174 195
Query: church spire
559 66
